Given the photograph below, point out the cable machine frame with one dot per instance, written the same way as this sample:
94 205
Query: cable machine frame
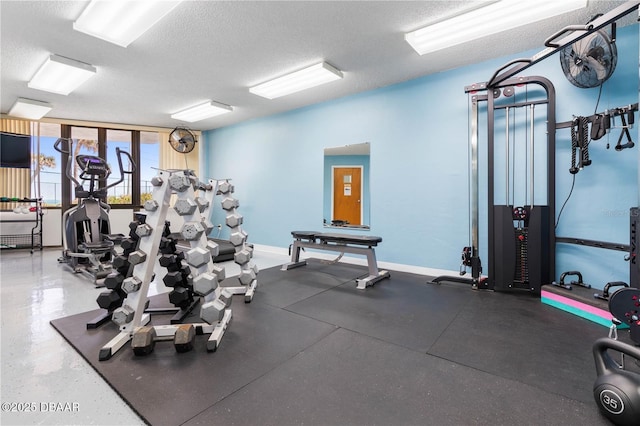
499 79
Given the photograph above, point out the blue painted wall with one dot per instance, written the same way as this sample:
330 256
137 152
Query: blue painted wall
418 132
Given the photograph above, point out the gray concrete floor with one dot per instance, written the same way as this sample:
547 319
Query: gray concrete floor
44 380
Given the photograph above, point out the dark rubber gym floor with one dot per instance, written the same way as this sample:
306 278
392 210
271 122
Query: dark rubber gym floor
312 349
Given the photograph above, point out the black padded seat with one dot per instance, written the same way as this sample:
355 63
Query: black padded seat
362 240
304 235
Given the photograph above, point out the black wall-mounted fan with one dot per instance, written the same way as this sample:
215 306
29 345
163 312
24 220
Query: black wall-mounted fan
182 140
590 61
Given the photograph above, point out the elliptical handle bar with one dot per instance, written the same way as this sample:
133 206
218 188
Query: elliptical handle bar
57 147
123 172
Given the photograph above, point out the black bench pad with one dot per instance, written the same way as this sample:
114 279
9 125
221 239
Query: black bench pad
363 240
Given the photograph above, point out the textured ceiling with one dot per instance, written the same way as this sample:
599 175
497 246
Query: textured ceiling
215 50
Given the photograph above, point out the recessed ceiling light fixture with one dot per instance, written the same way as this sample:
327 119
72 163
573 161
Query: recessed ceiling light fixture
312 76
491 19
61 75
200 112
30 109
121 22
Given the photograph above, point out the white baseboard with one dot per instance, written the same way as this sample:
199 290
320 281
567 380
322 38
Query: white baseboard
413 269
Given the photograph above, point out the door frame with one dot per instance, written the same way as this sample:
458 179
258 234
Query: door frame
345 166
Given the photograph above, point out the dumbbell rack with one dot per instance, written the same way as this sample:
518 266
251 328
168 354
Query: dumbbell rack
131 316
238 237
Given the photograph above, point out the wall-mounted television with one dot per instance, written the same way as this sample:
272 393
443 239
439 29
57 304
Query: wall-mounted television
15 150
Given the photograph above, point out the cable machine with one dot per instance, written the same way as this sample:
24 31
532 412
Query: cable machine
521 239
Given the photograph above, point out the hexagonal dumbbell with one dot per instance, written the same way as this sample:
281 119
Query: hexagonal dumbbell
213 248
205 283
157 181
225 187
202 203
137 257
237 238
128 245
226 297
198 256
180 297
110 300
167 245
143 230
113 280
254 267
185 206
207 225
242 257
219 272
131 285
123 315
179 182
230 203
143 340
192 231
151 205
179 277
184 337
246 276
173 262
212 312
233 220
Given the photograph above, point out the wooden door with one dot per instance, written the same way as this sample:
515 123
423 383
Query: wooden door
347 194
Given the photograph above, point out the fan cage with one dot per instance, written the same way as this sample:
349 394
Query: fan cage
577 60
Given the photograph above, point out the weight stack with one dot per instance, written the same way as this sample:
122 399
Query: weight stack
634 242
520 251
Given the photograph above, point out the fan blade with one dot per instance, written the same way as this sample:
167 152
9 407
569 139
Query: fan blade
581 46
600 69
574 69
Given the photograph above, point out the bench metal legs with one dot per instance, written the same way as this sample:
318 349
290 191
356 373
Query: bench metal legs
374 276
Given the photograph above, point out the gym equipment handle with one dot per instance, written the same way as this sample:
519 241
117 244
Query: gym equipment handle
549 41
603 361
123 172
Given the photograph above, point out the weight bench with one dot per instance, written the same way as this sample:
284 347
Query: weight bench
343 243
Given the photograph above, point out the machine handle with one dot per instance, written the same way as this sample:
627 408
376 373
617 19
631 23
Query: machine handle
123 172
604 362
508 64
56 146
69 154
549 41
133 165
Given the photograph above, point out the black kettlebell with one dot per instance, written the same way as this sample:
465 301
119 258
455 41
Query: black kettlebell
616 391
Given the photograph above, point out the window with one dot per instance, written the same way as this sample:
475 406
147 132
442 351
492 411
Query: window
142 146
149 162
49 161
120 193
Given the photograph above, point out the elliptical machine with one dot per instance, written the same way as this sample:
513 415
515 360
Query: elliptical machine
87 243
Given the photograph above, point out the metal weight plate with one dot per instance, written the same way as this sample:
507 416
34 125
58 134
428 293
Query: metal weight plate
624 305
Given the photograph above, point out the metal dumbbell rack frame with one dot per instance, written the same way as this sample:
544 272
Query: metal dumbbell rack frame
238 237
131 315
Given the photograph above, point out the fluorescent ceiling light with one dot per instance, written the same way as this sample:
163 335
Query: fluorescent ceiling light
312 76
30 109
61 75
480 22
121 22
200 112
